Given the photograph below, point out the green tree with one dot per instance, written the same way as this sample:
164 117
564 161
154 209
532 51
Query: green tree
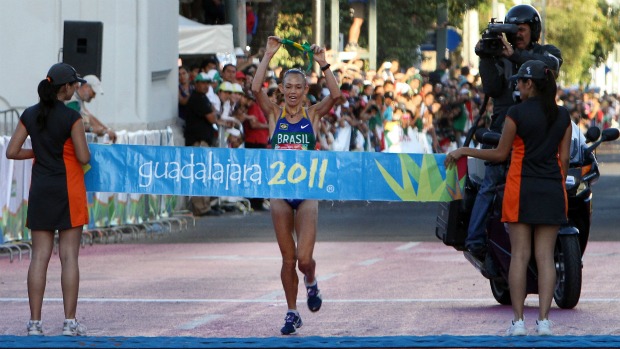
608 30
574 36
402 25
584 30
267 13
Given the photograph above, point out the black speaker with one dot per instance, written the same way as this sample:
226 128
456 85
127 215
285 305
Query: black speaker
82 43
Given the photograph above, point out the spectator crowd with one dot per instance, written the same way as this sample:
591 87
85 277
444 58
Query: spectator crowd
392 109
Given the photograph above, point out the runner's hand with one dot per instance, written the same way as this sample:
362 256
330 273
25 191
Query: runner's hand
319 54
273 44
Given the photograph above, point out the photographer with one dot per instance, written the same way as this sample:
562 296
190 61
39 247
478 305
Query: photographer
502 49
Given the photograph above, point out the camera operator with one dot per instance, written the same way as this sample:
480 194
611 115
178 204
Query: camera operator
500 58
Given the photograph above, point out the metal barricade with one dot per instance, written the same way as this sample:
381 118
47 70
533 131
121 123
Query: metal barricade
9 119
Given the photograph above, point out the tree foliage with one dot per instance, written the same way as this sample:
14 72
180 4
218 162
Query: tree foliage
574 36
401 27
584 30
296 27
608 30
403 24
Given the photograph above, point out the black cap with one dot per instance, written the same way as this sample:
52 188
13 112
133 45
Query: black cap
389 94
62 73
533 69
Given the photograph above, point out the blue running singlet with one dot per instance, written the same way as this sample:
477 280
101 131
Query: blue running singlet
298 136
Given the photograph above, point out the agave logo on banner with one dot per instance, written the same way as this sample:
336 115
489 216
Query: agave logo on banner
425 181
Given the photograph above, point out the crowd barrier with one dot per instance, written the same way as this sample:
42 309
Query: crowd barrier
111 214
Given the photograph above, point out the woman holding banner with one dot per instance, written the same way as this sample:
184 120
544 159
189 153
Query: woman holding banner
538 133
294 127
57 197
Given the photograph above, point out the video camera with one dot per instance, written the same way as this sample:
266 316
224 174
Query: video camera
491 43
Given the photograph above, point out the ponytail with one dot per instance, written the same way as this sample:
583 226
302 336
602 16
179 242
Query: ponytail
48 95
547 90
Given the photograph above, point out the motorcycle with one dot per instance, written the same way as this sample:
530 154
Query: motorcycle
453 221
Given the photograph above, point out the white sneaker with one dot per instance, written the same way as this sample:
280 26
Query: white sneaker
543 327
517 328
35 328
73 328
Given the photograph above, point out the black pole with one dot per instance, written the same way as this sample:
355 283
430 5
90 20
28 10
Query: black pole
474 127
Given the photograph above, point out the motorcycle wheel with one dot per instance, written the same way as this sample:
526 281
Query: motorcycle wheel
500 291
568 266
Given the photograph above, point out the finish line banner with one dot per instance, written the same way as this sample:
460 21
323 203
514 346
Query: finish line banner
322 175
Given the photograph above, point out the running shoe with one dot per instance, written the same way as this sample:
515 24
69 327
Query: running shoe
543 328
517 328
292 322
35 328
73 328
314 297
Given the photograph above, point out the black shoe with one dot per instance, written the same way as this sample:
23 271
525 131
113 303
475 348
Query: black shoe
314 296
292 321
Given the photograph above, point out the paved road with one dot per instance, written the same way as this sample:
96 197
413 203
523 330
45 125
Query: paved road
233 290
381 269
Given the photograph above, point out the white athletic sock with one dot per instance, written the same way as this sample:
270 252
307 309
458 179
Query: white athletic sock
310 285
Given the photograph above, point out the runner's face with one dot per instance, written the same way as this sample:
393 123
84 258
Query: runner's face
294 88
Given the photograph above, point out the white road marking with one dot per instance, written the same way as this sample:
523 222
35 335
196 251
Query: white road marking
407 246
370 262
199 322
272 296
326 276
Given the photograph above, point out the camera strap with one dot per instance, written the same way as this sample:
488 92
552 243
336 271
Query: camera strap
508 68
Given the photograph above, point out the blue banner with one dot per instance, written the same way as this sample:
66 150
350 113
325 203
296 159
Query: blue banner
323 175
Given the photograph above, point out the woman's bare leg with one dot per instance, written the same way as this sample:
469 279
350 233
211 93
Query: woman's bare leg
520 242
545 237
42 245
283 222
69 249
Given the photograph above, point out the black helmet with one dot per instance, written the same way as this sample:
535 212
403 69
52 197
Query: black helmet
524 14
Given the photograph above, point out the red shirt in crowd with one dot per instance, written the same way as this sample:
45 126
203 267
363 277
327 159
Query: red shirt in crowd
256 135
